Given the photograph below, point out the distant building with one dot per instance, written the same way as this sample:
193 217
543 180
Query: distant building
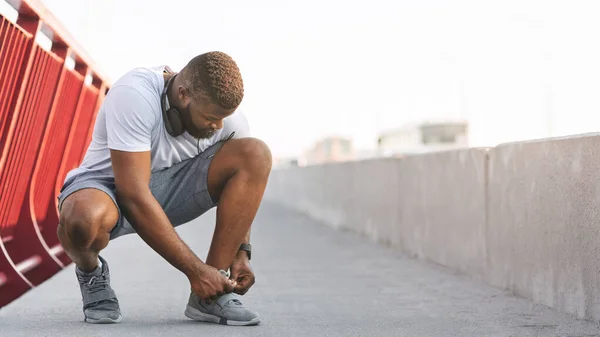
422 138
328 150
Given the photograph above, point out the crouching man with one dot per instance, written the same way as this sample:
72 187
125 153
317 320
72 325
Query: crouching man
166 148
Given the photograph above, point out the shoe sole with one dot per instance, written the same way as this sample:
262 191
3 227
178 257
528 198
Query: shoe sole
198 315
105 320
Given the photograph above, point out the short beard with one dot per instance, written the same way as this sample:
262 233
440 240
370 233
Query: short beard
206 135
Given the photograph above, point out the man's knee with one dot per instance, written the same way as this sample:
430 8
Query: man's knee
82 221
246 157
254 155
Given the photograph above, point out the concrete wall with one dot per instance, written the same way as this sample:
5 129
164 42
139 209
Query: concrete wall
431 206
544 222
521 216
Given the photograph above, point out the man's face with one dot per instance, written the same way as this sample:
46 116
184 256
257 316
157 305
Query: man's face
202 118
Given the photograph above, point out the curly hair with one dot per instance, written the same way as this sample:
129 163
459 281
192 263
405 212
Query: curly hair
217 76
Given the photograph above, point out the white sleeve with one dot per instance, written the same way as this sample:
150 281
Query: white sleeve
240 125
129 120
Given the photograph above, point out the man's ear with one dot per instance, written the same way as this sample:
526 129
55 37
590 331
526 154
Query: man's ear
184 95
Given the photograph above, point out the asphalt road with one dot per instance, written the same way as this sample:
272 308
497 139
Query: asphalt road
311 281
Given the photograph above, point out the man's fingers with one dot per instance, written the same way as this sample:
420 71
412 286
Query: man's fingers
240 289
244 285
247 281
230 285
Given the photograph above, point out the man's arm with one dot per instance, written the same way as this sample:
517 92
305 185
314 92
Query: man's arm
247 237
129 123
132 177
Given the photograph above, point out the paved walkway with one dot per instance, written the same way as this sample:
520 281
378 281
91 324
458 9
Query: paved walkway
311 281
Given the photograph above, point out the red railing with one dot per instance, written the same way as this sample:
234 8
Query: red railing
47 113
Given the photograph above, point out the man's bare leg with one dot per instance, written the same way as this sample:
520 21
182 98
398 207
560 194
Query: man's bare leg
86 218
237 178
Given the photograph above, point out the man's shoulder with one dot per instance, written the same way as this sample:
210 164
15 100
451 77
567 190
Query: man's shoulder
142 84
144 72
134 99
146 80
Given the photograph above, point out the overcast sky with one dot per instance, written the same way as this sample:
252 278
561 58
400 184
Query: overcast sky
515 69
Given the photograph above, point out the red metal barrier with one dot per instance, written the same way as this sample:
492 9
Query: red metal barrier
15 50
41 202
76 145
19 156
46 116
16 44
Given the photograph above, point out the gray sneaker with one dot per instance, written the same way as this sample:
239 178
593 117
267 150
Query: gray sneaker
100 304
226 310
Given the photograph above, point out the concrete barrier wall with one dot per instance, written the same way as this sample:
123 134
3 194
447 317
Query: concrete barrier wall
544 222
523 216
431 206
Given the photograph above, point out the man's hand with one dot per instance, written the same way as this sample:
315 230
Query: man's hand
208 283
242 273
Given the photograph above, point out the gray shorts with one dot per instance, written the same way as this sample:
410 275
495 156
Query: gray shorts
181 190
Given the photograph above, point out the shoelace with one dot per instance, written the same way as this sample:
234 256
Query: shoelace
226 274
95 283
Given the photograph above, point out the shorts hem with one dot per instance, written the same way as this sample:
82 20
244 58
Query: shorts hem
75 187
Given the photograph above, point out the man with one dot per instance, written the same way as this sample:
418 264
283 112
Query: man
165 149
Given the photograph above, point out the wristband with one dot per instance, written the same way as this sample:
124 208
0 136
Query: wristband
248 248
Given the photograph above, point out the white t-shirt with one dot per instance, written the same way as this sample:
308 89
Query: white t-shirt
130 119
